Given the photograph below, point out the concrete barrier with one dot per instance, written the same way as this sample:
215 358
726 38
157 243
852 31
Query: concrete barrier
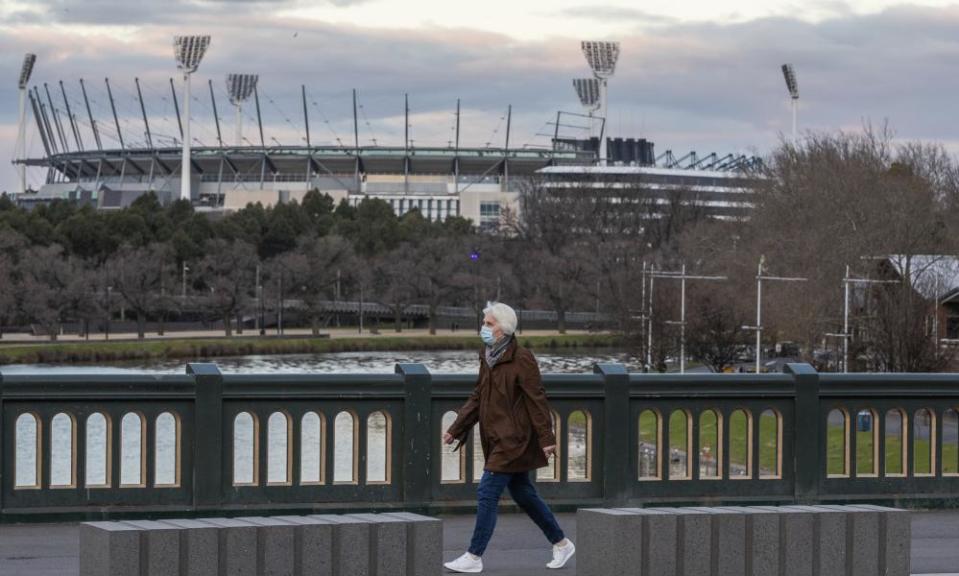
395 544
751 540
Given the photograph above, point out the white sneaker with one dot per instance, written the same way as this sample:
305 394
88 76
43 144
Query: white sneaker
562 554
467 563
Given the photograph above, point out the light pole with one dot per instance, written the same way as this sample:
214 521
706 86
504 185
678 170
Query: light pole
602 57
21 148
185 269
758 328
682 277
189 51
847 281
789 73
109 312
240 88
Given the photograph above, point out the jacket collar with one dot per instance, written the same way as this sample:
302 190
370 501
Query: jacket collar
507 354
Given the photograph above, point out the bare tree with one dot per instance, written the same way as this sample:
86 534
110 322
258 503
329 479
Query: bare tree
389 281
227 271
314 267
137 275
55 287
438 274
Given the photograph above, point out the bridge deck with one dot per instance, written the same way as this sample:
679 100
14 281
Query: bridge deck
517 547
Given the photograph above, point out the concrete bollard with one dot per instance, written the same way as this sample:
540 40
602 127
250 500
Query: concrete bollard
387 544
237 545
762 540
610 542
313 545
159 546
199 547
109 549
728 536
694 541
424 544
275 545
895 538
350 545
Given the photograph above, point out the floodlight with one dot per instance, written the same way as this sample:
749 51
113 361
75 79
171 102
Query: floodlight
240 87
790 75
602 57
21 146
588 91
27 69
189 51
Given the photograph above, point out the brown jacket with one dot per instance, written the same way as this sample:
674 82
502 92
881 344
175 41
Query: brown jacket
509 403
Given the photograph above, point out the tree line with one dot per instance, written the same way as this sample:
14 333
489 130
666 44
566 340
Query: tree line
818 205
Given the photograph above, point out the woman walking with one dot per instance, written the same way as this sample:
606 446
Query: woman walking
516 431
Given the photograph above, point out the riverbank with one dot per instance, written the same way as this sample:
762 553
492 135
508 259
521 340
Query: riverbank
206 347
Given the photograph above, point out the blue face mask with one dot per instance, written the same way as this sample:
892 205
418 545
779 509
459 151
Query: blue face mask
486 333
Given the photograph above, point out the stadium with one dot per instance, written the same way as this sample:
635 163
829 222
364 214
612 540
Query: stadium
81 164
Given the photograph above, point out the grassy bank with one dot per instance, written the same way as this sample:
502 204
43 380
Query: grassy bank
94 352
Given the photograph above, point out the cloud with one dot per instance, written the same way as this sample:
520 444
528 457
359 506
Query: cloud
701 86
618 14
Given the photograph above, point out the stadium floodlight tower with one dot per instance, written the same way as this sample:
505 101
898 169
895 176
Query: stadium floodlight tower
240 87
602 57
21 149
588 91
189 51
789 73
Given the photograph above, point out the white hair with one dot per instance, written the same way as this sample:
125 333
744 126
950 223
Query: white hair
505 316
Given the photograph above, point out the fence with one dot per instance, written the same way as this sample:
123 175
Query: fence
113 445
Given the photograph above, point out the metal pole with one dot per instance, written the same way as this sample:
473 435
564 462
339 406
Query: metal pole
93 123
39 119
21 140
602 132
759 316
259 121
176 108
185 167
795 107
456 153
309 146
649 335
73 124
116 120
356 144
845 324
56 120
682 324
643 300
183 289
143 110
361 308
216 116
406 143
509 119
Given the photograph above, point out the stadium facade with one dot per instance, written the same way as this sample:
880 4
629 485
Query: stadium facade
480 184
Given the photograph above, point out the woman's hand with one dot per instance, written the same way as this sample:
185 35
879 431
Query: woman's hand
447 438
549 451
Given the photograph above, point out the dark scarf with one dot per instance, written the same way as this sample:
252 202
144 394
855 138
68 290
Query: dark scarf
495 352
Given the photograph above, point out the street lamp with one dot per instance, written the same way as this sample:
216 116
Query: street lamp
240 87
789 73
189 51
758 328
683 277
847 281
21 148
602 58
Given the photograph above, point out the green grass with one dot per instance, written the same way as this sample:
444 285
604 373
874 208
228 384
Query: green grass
738 430
193 348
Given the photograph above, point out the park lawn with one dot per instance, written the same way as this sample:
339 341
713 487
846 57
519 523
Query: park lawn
738 437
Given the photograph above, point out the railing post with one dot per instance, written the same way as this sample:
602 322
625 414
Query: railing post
616 433
808 448
418 435
208 457
4 457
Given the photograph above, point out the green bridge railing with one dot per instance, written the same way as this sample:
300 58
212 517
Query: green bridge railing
203 442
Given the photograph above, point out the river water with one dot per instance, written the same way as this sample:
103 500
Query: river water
342 426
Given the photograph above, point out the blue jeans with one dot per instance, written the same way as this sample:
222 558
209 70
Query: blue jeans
491 487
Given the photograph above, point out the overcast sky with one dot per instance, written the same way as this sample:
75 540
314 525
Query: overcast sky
692 75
